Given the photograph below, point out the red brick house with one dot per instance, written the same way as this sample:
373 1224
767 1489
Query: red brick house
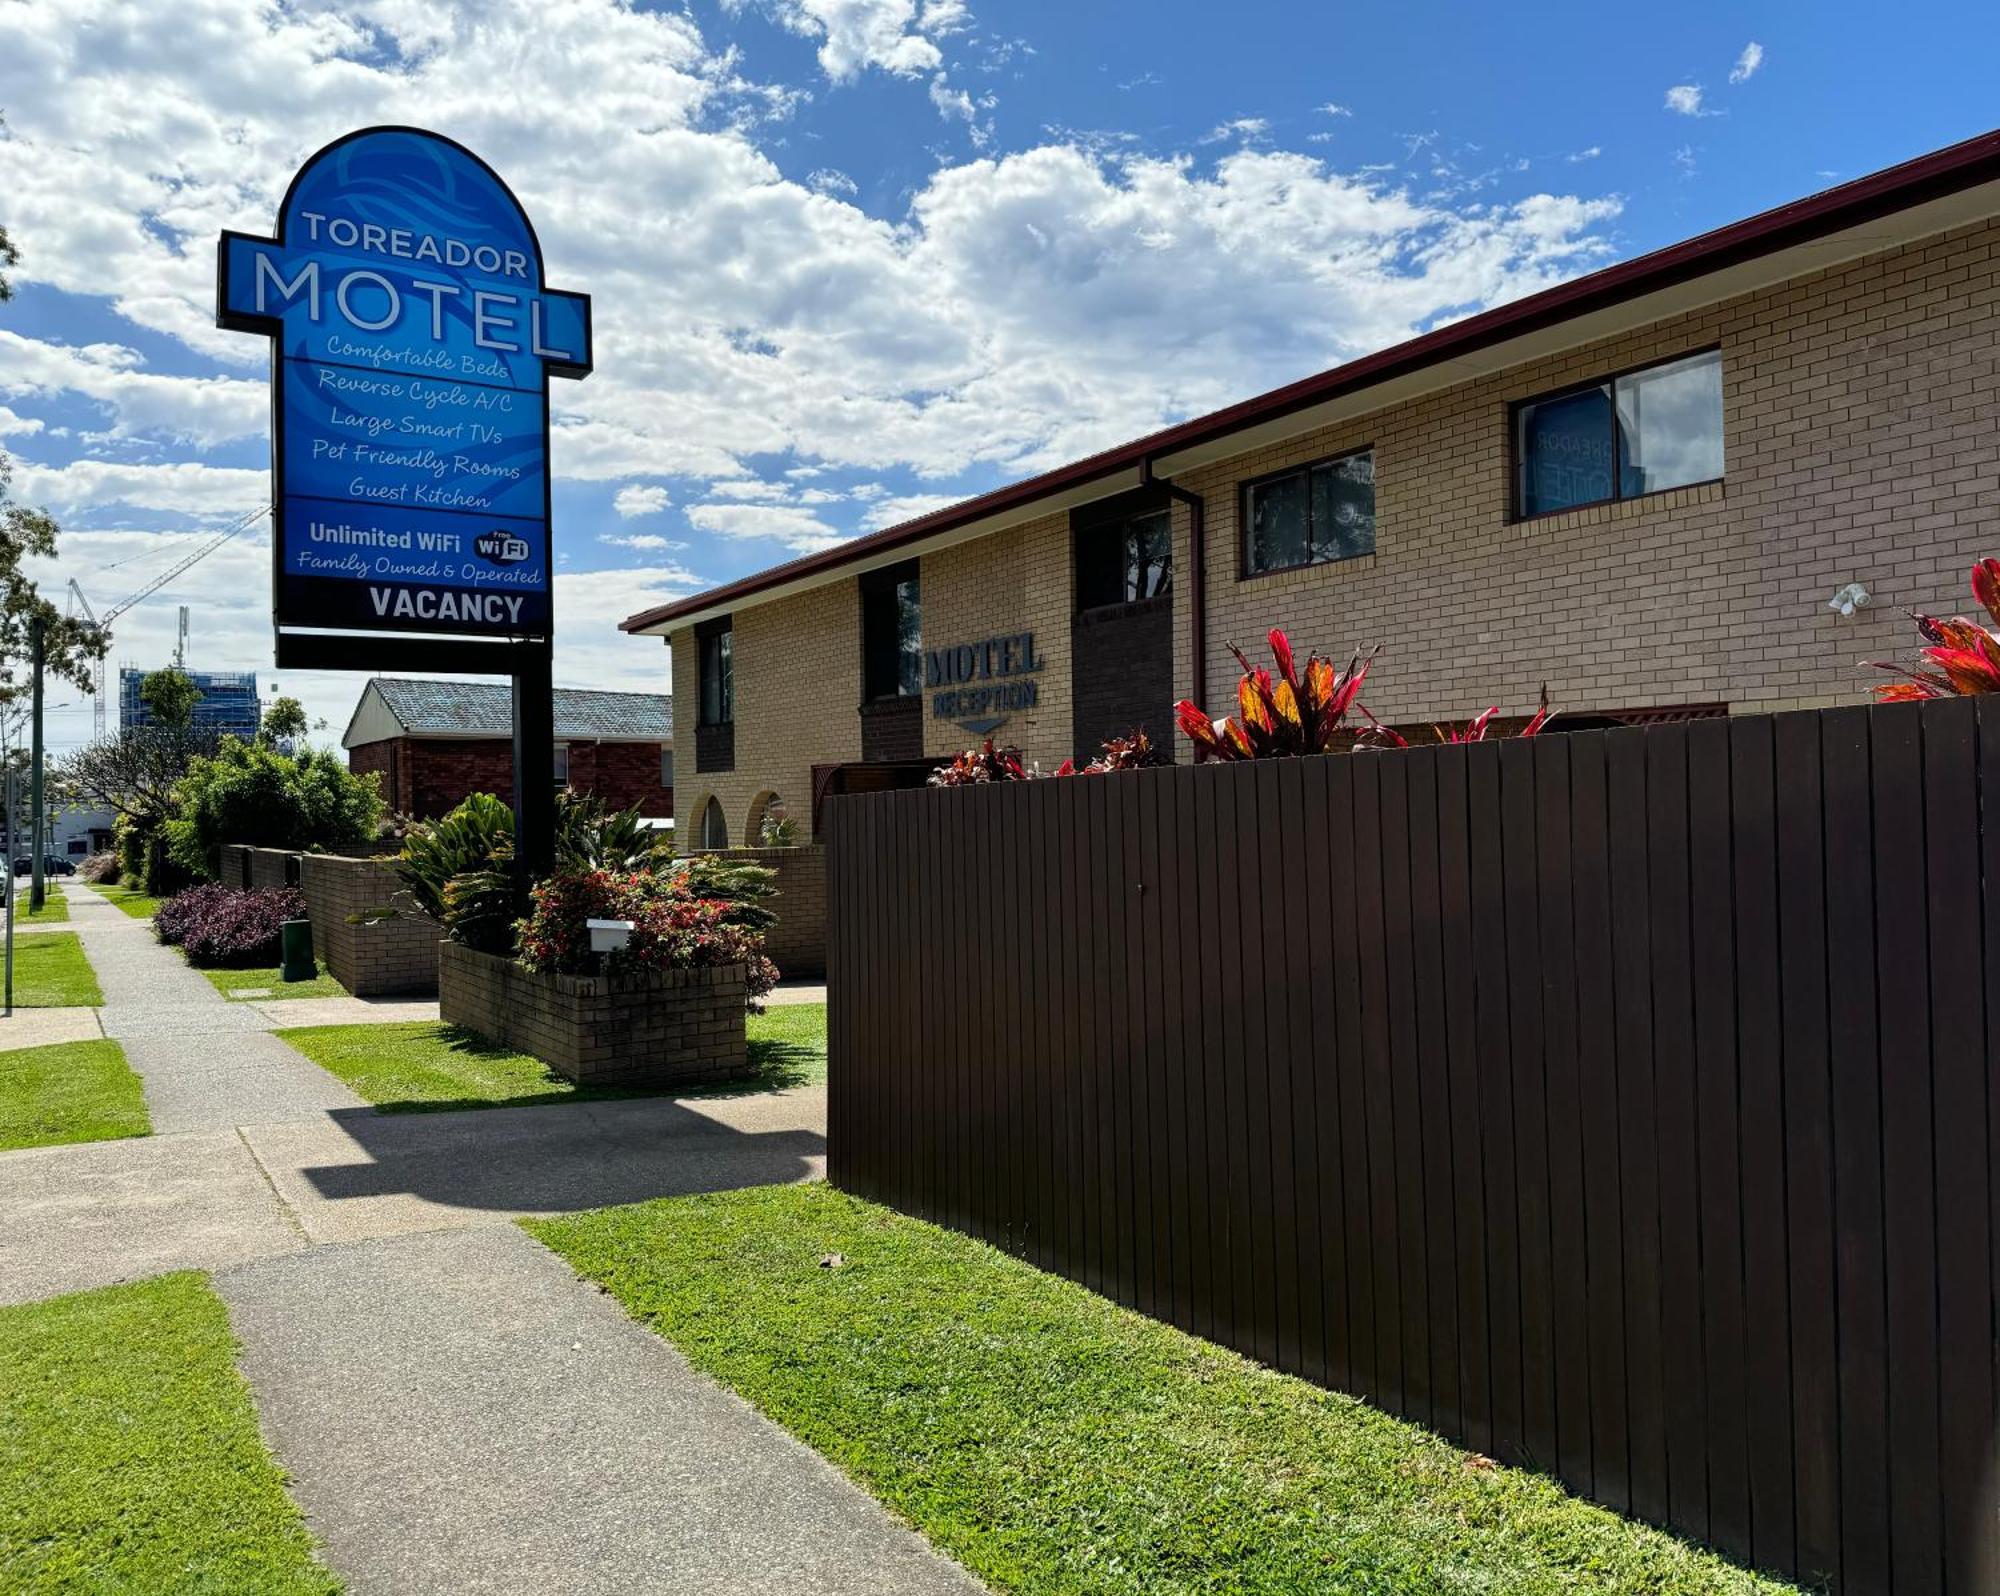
433 742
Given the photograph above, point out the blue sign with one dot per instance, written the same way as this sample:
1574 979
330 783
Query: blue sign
414 342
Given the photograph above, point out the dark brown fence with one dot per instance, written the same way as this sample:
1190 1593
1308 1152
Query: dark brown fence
1619 1104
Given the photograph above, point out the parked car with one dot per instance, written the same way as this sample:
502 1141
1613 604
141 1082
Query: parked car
52 865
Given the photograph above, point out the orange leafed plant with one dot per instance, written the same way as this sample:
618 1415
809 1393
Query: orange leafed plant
1295 712
1473 731
1960 657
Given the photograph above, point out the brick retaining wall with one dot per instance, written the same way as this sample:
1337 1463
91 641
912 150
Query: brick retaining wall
671 1028
259 867
797 943
395 957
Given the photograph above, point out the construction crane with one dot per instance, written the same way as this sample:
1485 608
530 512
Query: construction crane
180 568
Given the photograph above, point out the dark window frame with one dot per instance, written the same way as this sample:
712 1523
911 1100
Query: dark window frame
872 584
1249 485
1118 519
723 633
1610 380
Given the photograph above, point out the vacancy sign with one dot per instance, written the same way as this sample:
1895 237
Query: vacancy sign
414 342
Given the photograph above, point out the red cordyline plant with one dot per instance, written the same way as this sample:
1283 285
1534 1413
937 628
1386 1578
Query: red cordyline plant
1961 657
1295 712
1473 731
977 766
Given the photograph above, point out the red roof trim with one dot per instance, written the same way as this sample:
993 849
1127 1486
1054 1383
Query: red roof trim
1866 199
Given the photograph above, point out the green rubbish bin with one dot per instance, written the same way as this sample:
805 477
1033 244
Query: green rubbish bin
296 939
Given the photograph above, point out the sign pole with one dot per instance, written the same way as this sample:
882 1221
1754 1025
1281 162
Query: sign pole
534 765
37 889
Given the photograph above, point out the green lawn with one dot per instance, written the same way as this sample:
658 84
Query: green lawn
55 907
129 1453
137 904
50 972
1054 1442
71 1092
417 1065
231 982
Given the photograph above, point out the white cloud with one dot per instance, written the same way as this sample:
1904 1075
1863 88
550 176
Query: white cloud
799 530
1576 157
907 507
1747 63
641 499
857 34
15 424
181 487
1246 128
831 180
1331 109
1685 98
199 410
650 542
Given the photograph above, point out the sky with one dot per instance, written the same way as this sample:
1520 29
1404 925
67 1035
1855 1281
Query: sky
852 260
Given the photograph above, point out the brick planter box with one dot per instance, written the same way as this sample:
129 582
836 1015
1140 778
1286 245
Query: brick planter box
673 1028
797 943
386 958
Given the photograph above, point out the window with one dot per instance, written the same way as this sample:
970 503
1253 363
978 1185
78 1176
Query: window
666 767
718 684
892 634
1640 433
562 764
1125 561
714 829
1310 516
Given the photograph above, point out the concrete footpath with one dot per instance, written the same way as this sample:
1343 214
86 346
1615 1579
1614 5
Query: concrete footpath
459 1413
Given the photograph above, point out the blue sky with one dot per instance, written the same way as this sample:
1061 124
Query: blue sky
856 258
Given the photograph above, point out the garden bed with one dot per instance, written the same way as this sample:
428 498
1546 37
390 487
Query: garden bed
660 1028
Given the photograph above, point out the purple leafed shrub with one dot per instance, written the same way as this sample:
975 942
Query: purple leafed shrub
227 927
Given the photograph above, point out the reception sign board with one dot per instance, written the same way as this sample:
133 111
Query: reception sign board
414 340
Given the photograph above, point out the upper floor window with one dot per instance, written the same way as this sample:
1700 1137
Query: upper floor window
1125 560
1310 515
892 634
1640 433
718 684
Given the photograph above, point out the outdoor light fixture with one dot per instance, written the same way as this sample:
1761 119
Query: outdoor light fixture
1849 599
609 936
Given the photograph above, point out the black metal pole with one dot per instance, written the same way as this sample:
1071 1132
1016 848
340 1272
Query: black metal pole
534 764
37 890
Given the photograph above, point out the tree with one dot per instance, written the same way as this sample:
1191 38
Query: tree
170 696
9 256
134 771
249 793
284 722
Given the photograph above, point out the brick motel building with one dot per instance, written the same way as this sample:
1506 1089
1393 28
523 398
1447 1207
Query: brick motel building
1649 488
433 742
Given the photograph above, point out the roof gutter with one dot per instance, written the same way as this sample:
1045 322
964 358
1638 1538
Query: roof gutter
1197 576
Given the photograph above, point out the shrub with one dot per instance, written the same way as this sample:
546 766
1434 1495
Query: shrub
249 793
1293 713
143 860
741 885
1961 657
672 929
223 927
590 837
476 836
101 868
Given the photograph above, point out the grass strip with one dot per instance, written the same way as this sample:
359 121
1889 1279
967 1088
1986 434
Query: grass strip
69 1092
54 910
129 1453
139 905
50 972
416 1065
1052 1441
232 982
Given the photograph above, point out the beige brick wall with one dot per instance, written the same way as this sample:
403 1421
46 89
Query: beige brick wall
1015 581
1860 441
798 689
1861 409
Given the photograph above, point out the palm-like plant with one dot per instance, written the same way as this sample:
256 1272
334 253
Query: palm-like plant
1961 657
1473 731
1295 712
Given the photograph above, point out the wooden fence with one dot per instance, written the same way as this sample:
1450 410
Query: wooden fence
1620 1104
